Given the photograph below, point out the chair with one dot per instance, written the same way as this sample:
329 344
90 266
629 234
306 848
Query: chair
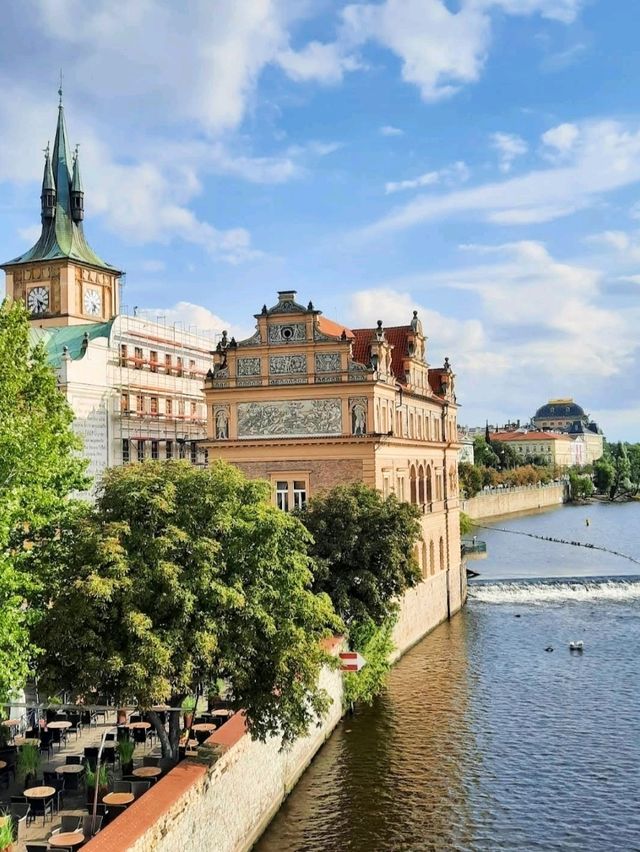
86 718
32 734
88 828
140 736
109 738
122 786
202 736
91 756
19 800
37 847
52 779
148 760
76 724
139 787
135 717
46 742
166 764
114 812
102 810
19 816
72 781
123 733
41 807
68 823
74 759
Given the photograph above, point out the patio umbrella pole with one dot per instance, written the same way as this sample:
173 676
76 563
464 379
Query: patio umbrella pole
97 785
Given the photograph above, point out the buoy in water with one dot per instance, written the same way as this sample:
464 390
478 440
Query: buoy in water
587 522
576 646
549 648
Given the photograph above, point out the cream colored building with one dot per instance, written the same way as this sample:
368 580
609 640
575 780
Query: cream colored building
135 386
308 404
565 416
556 448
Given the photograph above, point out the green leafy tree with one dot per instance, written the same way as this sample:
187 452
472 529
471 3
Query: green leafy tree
483 453
581 486
470 476
622 471
507 456
375 643
603 475
181 576
363 546
633 452
39 467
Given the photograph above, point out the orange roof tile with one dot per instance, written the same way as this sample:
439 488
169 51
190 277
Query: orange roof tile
333 329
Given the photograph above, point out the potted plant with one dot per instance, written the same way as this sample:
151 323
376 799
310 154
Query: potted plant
6 833
125 751
188 706
103 783
29 763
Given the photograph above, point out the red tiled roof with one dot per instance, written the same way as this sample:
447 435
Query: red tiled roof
361 344
333 329
396 336
435 379
525 436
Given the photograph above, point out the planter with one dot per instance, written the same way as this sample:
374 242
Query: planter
127 768
188 719
102 792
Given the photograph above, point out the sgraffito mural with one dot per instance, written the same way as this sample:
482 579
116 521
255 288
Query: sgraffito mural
289 418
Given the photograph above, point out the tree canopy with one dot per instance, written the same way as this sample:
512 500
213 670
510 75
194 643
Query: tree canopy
363 547
180 576
39 467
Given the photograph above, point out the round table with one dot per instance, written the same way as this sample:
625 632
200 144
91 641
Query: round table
12 723
39 792
139 725
204 726
68 839
223 714
118 798
62 725
70 768
147 772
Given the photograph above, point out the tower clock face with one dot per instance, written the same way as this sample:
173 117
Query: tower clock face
38 300
92 302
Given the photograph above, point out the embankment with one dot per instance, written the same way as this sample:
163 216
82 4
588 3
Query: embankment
510 501
225 799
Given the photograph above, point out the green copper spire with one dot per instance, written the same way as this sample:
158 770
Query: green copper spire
62 207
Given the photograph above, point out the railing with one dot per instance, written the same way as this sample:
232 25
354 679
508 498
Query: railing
469 546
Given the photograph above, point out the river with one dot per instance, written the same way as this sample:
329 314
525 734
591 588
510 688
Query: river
485 740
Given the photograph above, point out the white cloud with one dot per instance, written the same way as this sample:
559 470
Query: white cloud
562 138
456 173
390 130
619 240
323 63
509 147
605 157
153 266
565 11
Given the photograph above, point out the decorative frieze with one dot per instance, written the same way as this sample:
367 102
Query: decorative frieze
283 364
248 366
328 362
249 383
289 418
289 333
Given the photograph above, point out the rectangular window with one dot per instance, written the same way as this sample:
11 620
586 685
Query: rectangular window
168 406
123 354
282 495
194 452
181 407
168 449
154 449
140 451
179 366
138 358
153 361
194 409
140 403
299 494
181 449
124 403
167 364
126 453
154 404
192 369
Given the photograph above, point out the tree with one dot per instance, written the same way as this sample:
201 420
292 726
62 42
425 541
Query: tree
181 576
581 486
633 452
363 545
39 467
603 475
484 454
470 476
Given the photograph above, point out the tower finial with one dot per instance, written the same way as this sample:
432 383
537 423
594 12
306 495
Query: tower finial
60 89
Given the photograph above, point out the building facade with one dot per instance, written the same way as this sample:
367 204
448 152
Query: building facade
135 386
307 404
555 448
567 417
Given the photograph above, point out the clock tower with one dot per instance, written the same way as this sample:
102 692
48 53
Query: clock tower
61 280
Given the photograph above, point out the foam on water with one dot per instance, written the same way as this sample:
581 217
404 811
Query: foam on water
557 591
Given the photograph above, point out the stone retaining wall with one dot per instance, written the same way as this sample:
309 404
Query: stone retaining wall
509 501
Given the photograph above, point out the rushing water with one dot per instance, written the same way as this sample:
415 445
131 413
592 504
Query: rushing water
485 740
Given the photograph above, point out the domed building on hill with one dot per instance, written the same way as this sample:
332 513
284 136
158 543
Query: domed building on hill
566 416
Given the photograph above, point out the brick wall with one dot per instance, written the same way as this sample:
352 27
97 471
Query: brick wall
323 474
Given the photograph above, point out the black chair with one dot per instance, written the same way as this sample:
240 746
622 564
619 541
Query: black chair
139 787
76 724
88 827
101 810
149 760
72 781
19 800
86 718
74 759
114 812
91 756
37 847
122 786
141 736
123 733
19 817
32 734
51 715
52 779
41 807
135 717
68 823
46 742
59 736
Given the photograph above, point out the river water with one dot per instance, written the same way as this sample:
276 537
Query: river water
484 740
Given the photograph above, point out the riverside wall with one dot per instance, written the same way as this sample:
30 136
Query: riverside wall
509 501
225 799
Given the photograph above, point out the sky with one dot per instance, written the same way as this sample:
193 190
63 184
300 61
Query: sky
476 160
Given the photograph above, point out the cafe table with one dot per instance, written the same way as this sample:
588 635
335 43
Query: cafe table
61 725
147 772
70 768
139 725
66 840
39 792
209 727
118 798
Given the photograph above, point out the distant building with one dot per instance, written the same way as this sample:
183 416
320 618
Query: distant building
555 448
566 416
135 386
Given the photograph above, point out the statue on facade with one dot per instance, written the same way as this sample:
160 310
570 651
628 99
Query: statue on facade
222 424
358 419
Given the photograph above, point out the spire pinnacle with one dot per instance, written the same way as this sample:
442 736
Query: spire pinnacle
60 89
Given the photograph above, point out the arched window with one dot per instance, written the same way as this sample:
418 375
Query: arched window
429 484
441 554
421 485
432 558
414 493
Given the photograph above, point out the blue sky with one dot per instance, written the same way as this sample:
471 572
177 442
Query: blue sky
478 160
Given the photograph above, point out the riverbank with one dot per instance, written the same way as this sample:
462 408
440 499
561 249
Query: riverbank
510 501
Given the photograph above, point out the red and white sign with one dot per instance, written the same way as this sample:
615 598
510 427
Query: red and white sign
352 661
